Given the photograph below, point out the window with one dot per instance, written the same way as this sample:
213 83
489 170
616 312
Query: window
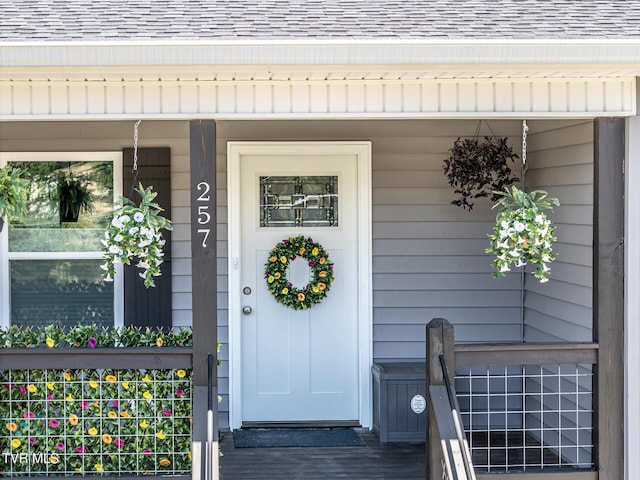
51 256
310 201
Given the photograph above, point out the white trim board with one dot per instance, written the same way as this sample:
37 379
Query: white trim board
632 301
318 52
362 150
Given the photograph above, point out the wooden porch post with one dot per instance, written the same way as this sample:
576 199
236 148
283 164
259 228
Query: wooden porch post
440 341
608 296
203 277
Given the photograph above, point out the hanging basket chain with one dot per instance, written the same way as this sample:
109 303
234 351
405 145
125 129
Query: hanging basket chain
525 129
134 170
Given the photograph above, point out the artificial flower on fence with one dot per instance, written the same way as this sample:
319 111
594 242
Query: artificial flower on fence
92 336
135 233
83 422
523 233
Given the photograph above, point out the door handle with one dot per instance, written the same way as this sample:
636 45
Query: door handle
246 310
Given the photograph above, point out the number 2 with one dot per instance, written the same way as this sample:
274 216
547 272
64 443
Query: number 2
204 196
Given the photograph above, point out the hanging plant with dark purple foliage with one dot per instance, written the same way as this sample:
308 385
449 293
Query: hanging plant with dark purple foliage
478 169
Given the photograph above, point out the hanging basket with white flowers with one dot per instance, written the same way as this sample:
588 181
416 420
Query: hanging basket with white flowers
523 234
135 233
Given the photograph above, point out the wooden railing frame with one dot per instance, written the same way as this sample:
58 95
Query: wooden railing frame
440 340
525 354
447 449
117 358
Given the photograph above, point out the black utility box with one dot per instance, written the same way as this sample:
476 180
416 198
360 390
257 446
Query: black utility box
399 391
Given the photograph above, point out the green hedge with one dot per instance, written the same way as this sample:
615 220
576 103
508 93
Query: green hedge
92 336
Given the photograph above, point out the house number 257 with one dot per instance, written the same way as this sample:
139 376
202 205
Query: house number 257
204 217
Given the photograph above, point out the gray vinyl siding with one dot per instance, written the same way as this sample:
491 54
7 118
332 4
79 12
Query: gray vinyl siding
428 255
561 162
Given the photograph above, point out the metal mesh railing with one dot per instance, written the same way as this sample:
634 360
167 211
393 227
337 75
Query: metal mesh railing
528 417
100 421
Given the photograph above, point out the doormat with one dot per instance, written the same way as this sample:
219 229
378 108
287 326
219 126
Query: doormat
296 437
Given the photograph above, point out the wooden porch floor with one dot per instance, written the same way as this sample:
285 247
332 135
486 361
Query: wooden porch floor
374 461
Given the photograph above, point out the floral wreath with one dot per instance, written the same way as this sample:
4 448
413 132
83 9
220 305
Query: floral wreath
321 270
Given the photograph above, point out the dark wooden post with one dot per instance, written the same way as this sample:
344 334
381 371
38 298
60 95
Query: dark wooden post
203 276
608 296
439 342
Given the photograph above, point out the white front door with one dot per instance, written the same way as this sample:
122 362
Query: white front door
299 365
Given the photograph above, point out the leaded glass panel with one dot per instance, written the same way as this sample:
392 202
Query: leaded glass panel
297 201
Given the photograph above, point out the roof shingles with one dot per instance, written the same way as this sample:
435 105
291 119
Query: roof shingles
77 20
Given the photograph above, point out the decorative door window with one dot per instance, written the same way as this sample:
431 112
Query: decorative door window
51 256
299 201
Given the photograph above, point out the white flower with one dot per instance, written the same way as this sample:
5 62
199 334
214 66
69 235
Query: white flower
504 224
104 266
521 263
150 233
505 268
108 278
133 230
540 219
118 238
502 245
514 253
518 226
114 249
144 265
138 217
124 219
116 222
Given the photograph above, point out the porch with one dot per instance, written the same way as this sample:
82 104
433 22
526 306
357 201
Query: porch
427 255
